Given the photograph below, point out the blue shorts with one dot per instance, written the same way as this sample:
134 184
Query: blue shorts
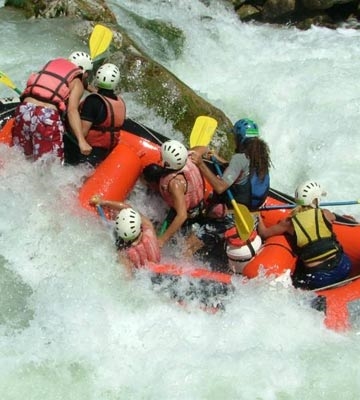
327 273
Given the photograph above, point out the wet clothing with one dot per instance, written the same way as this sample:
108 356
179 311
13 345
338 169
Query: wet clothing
211 232
194 195
327 273
38 130
106 112
145 251
315 242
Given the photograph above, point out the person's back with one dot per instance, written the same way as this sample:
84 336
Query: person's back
315 240
193 187
321 259
50 93
182 187
246 175
102 116
251 162
143 251
135 236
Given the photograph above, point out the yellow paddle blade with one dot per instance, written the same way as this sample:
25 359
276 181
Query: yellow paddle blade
8 82
100 40
203 131
244 221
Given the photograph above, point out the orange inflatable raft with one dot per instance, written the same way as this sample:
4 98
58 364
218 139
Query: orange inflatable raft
139 146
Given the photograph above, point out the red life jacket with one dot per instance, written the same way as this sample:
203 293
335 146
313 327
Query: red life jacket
51 84
147 250
232 237
194 194
106 134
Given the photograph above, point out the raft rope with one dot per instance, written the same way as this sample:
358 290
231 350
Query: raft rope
282 196
338 284
147 130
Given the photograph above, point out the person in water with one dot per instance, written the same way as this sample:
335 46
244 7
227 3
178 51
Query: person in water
321 259
102 115
135 236
247 173
51 94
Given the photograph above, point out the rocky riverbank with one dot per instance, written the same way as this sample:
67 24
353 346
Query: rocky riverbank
155 87
300 13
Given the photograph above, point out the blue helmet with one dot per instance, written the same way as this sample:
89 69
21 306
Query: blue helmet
245 128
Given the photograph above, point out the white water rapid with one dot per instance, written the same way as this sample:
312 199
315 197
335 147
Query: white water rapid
73 327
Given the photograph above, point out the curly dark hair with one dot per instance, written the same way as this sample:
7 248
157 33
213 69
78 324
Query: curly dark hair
258 152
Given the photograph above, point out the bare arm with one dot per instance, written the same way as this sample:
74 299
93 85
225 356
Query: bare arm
76 92
147 222
96 200
329 215
176 188
207 153
215 181
283 226
85 127
118 205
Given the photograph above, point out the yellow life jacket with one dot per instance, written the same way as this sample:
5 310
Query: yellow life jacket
314 237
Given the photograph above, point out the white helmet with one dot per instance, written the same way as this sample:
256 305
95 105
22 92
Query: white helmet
307 192
128 224
82 60
174 154
107 76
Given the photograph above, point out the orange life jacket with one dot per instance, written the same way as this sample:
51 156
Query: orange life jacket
147 250
51 84
232 237
194 194
106 134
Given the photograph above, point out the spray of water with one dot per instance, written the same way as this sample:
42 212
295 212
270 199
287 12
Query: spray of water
73 326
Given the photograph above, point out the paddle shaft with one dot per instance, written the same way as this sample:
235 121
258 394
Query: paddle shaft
8 82
101 212
244 226
218 170
330 203
17 90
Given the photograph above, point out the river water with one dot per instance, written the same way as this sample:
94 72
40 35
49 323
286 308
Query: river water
72 326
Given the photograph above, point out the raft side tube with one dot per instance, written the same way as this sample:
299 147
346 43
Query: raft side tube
342 306
5 132
147 151
274 258
349 237
114 178
197 273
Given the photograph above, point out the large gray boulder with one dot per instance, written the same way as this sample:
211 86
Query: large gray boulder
153 85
